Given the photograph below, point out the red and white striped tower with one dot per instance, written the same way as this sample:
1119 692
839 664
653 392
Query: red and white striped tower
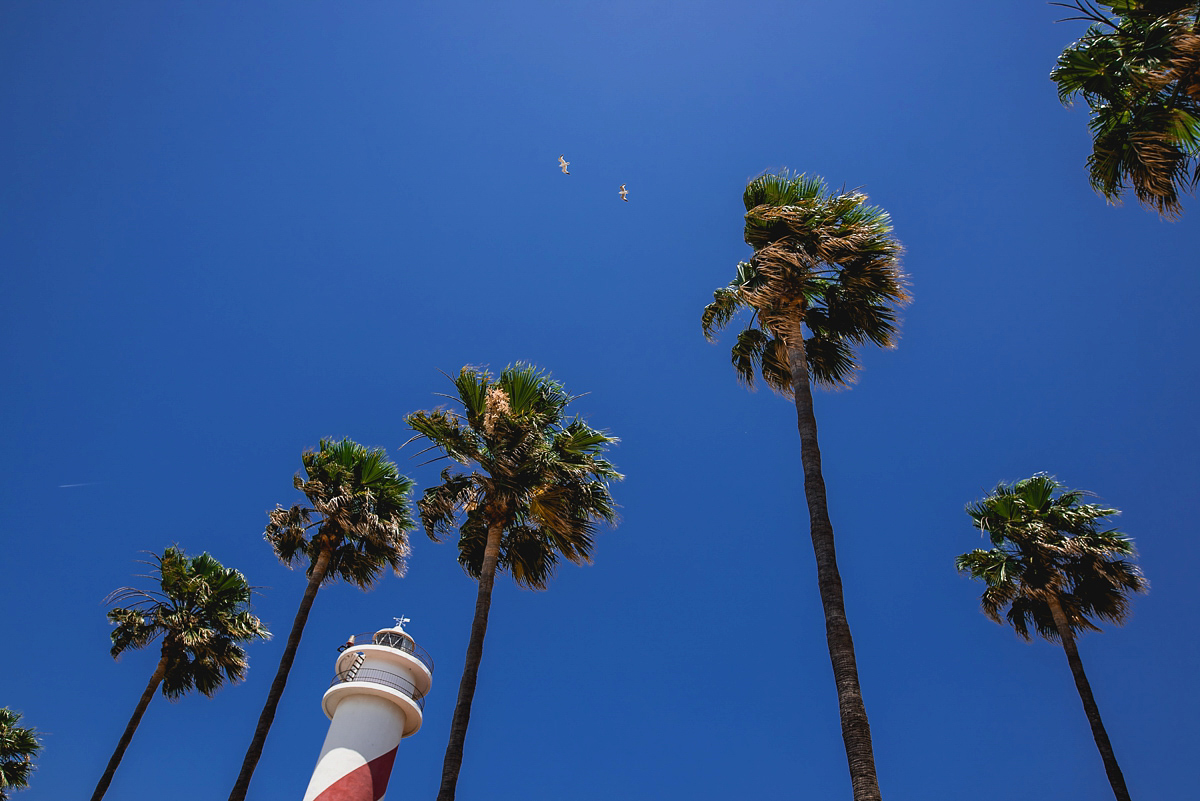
376 699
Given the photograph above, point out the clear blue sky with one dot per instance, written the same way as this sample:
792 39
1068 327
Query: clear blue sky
229 229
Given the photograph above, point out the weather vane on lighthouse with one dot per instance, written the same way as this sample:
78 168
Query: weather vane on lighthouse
400 621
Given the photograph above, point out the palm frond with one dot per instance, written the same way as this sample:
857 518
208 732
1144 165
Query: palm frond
458 440
726 303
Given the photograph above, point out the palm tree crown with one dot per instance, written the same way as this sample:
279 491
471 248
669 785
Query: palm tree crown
362 504
823 261
202 612
541 475
1047 544
1138 69
18 747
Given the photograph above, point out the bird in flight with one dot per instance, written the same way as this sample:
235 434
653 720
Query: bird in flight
563 163
624 193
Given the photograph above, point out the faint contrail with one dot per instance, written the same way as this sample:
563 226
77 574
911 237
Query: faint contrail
84 484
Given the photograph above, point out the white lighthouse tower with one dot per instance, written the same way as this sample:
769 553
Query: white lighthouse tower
376 698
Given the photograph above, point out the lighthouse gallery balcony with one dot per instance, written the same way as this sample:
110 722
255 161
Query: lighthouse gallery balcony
383 663
384 677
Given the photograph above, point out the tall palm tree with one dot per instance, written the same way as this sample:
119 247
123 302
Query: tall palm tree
824 278
1053 568
18 747
539 487
361 504
202 612
1138 69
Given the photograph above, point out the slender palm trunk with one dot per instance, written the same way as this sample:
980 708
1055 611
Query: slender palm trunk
123 743
856 731
1115 777
320 568
466 688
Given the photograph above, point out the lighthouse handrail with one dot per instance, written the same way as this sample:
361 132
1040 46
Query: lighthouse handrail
384 677
390 640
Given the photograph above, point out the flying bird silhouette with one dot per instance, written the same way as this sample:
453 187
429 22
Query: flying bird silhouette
624 193
562 163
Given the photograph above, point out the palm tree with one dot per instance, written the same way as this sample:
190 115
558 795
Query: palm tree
361 503
18 747
540 488
1051 567
1138 69
202 612
824 278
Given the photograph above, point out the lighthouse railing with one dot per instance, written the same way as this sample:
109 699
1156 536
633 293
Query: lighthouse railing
391 639
383 677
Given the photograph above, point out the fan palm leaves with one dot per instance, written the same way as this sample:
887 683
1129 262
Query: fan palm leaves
353 529
1138 69
538 489
824 275
824 279
18 747
201 612
1052 570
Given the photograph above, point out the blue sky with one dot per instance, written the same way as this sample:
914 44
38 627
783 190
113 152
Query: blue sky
230 229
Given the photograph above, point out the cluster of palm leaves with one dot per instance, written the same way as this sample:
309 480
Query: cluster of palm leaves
18 746
1138 69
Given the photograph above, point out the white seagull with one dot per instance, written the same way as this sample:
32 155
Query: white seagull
624 193
562 163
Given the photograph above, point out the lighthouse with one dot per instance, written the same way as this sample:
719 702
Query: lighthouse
376 699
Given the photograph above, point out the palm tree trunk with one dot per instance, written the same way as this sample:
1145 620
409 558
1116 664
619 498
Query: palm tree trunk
856 731
123 743
1115 777
315 578
466 688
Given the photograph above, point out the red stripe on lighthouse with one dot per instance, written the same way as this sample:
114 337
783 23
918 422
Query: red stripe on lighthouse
365 783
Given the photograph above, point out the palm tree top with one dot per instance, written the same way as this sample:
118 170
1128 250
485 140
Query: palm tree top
361 504
1045 541
541 473
825 270
18 747
499 411
202 612
1138 69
